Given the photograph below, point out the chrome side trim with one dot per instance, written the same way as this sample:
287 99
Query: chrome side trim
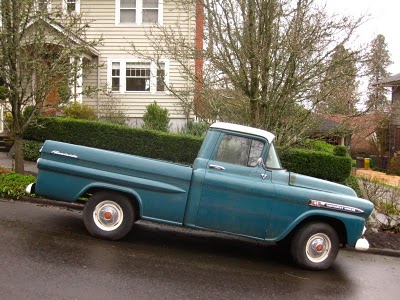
334 206
63 154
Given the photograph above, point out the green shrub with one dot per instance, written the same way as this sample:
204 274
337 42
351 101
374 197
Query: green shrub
3 92
154 144
13 185
114 118
352 182
316 164
317 145
394 165
78 110
194 128
340 151
156 118
31 150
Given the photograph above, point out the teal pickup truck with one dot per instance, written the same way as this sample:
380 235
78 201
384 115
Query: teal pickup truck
236 185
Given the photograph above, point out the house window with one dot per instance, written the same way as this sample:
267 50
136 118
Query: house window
137 77
71 6
43 5
115 77
161 77
150 11
139 11
127 76
128 11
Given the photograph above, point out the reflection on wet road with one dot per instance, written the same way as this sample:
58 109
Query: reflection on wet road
46 253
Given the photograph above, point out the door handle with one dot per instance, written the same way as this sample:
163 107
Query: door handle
217 167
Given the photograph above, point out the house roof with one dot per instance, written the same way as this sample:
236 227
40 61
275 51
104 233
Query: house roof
393 80
76 39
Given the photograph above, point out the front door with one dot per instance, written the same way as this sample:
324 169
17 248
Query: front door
237 193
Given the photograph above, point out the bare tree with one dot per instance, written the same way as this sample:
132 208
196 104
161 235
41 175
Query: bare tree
264 60
36 50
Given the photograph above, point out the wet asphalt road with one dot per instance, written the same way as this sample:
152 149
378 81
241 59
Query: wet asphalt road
46 253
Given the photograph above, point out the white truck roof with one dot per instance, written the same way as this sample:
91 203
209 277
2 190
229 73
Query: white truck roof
245 129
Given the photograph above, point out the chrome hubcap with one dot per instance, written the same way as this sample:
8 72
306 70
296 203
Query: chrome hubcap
108 215
318 247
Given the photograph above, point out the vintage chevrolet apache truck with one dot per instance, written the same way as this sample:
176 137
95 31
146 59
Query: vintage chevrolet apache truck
236 185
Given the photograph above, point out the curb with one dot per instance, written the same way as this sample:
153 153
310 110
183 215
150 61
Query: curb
47 202
80 206
376 251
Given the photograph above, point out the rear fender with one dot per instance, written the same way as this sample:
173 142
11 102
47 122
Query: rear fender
95 187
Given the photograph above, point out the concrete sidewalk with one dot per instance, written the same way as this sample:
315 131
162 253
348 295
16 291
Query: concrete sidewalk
8 162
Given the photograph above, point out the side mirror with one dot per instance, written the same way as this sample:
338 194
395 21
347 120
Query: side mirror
260 163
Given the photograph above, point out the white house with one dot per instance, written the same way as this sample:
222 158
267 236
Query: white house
132 80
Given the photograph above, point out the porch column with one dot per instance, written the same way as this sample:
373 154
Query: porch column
77 82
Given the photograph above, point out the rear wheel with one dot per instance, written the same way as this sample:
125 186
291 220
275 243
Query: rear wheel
315 246
109 215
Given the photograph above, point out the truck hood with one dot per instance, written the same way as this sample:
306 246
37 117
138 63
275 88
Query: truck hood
319 184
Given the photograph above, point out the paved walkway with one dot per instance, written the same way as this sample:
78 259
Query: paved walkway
6 161
379 176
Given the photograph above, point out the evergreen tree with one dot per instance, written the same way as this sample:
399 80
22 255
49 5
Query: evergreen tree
378 60
338 94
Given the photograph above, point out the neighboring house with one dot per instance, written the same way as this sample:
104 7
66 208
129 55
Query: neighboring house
133 81
357 133
394 135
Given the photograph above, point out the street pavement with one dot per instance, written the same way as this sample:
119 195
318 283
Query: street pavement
46 253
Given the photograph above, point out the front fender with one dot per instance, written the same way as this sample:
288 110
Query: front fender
353 224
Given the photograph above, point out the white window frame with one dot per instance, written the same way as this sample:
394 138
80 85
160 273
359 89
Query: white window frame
77 6
48 5
139 14
122 78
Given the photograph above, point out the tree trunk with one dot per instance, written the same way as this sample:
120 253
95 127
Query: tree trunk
19 155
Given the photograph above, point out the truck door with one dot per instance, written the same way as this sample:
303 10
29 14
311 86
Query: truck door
236 194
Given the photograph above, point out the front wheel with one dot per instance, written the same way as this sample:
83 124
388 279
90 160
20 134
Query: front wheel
108 215
315 246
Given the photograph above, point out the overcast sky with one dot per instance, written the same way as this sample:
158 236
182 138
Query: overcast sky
383 18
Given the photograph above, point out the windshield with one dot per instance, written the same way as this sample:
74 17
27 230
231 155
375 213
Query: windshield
273 159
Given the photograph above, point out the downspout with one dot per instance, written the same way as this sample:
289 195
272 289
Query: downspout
187 111
98 85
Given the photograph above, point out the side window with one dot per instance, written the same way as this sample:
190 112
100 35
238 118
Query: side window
239 150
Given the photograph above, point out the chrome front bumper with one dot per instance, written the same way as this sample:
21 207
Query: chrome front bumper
362 244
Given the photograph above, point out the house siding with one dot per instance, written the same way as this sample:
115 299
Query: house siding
116 43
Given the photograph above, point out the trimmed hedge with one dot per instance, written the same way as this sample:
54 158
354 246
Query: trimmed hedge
316 164
32 150
171 147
